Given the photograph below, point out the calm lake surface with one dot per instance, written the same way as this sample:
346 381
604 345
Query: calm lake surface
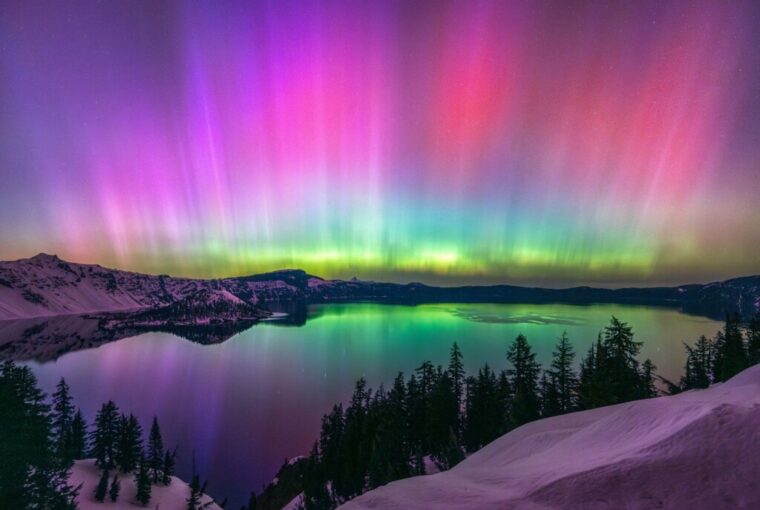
243 406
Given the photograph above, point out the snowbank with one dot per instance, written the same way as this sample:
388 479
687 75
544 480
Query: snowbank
697 450
171 497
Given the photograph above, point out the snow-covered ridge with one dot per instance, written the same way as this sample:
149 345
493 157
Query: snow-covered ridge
171 497
697 450
45 285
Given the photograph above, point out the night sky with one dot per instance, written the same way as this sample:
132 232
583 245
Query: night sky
554 143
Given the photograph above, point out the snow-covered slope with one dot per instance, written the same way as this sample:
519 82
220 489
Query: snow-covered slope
171 497
45 285
697 450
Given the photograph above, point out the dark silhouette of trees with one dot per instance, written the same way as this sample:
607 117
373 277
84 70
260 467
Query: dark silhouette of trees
730 351
168 466
62 418
104 438
156 452
32 472
77 439
753 339
523 379
457 376
129 443
699 364
486 415
563 375
142 482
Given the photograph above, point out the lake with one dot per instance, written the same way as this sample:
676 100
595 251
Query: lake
243 406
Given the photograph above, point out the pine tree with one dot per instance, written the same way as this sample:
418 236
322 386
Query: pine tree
156 452
113 492
731 355
753 340
648 388
565 377
524 381
62 417
77 440
550 403
251 502
485 415
168 465
129 443
457 375
620 372
194 501
102 488
699 363
104 438
443 420
142 482
31 473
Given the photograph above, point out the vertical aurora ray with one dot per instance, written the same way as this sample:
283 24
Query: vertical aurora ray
443 141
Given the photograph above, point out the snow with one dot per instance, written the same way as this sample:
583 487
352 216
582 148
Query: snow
295 503
171 497
697 450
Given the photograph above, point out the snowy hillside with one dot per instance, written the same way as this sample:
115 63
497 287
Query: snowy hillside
171 497
45 285
697 450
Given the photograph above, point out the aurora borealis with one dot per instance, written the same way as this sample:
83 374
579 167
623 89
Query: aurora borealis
531 142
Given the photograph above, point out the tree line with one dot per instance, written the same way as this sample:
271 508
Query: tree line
717 359
438 415
40 441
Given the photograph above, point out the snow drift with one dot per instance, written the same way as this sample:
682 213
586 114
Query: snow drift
696 450
171 497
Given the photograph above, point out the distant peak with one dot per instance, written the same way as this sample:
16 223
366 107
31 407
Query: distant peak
46 257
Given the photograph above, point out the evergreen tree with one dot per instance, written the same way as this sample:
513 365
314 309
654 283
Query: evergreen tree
550 402
251 502
621 369
129 443
593 390
485 415
142 482
564 375
31 473
443 422
113 491
104 438
699 363
168 466
524 381
194 501
77 440
648 388
330 444
731 354
102 488
457 376
753 340
62 418
356 451
315 493
156 452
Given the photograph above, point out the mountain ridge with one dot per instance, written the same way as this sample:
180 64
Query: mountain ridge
45 285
